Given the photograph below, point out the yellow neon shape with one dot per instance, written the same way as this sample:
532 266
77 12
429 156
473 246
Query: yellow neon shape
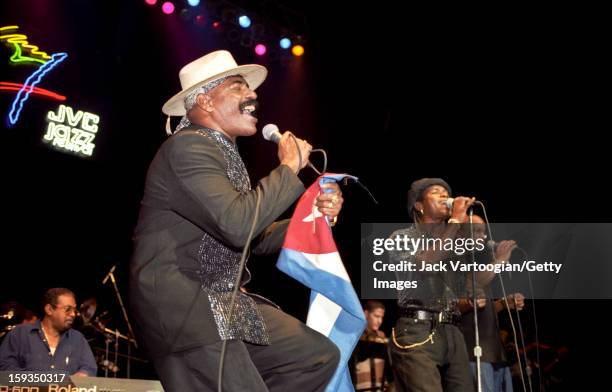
21 41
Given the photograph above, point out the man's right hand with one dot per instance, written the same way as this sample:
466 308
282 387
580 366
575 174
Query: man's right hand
288 152
460 207
504 250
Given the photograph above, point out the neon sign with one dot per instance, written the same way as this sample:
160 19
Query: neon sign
19 42
8 86
72 132
32 81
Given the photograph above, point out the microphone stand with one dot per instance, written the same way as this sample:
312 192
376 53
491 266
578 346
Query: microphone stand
477 348
117 351
131 338
106 352
129 356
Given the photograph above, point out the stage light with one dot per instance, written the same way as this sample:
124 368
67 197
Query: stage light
185 14
285 43
260 49
168 8
200 20
151 2
193 3
216 25
298 50
244 21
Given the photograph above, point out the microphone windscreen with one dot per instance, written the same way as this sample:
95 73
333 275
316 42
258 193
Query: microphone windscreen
268 132
449 203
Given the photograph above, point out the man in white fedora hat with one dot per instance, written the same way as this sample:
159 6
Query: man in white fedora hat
196 214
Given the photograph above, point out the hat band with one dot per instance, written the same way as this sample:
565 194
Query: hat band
204 89
190 100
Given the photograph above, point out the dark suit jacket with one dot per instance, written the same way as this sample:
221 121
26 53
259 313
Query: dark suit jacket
187 193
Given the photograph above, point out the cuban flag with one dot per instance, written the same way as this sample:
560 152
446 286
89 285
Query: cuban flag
310 256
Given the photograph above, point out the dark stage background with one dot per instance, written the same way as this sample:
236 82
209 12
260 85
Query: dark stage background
505 104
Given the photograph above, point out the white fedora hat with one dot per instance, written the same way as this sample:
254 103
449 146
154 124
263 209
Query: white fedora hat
214 65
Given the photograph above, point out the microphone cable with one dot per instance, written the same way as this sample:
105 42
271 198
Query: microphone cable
324 170
242 264
535 320
507 305
310 165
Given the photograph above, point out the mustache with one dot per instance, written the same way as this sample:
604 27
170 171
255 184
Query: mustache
250 102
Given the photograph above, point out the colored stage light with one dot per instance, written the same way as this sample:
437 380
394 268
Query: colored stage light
298 50
260 49
244 21
151 2
193 3
285 43
168 8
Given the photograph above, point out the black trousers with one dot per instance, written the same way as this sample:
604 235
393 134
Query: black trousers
437 367
298 359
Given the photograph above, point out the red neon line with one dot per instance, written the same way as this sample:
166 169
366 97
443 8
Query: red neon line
9 86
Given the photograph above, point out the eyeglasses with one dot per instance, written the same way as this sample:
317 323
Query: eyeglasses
68 309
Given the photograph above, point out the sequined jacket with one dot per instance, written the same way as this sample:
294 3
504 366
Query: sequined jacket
195 215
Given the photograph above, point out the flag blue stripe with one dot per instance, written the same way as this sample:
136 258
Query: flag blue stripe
345 334
338 290
349 324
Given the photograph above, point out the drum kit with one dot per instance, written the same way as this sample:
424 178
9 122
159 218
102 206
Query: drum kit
7 314
94 325
13 314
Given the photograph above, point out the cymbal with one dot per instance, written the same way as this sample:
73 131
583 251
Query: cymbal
11 311
96 325
88 309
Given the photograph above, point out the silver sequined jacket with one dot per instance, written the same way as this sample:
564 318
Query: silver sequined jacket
194 219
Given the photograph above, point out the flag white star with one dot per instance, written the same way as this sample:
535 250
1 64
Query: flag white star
313 215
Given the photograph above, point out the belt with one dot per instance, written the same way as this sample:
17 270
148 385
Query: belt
443 317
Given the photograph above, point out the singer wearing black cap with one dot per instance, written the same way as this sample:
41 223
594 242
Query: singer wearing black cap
196 214
427 347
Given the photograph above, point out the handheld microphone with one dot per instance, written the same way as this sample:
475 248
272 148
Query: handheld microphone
492 245
451 200
449 203
270 132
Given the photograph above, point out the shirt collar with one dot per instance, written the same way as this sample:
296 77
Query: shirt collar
37 327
